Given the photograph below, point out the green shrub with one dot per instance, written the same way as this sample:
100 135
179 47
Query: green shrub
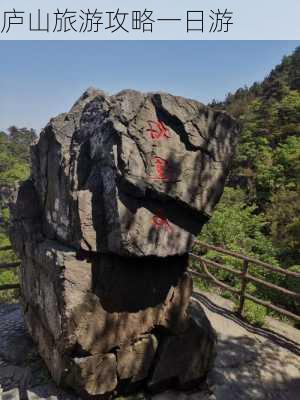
202 284
254 313
6 278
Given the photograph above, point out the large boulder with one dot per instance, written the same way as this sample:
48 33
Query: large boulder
133 174
120 186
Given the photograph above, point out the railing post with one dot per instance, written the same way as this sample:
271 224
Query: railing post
243 288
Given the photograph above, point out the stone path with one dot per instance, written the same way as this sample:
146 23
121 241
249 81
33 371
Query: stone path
252 363
22 372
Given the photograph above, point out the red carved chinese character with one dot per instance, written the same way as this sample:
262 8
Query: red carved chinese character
158 130
159 221
160 169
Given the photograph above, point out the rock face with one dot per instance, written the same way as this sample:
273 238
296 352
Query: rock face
119 187
105 169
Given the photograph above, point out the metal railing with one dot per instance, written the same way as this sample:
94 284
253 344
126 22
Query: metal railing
205 263
245 278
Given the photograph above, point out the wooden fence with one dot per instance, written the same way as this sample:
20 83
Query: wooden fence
6 266
205 264
245 277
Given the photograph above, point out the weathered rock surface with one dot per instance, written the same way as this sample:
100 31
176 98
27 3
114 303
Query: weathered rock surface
182 369
106 168
94 375
119 187
59 288
135 360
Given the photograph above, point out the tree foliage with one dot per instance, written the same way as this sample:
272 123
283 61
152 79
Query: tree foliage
15 154
14 167
260 210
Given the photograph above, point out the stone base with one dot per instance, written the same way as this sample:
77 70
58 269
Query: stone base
105 329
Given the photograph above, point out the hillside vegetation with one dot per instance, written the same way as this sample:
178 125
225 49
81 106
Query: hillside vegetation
14 167
259 213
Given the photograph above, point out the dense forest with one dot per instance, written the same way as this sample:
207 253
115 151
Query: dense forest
259 213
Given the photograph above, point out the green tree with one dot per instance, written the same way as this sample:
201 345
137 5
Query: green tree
236 226
284 217
14 167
